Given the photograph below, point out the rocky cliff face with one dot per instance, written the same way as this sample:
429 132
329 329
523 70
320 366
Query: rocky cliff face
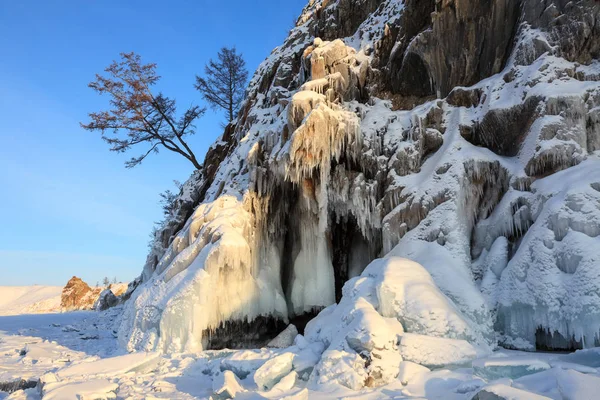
78 295
462 135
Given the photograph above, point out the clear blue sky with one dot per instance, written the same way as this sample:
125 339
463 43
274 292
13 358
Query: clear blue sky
67 205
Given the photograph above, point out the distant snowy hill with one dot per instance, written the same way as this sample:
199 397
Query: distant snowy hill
36 299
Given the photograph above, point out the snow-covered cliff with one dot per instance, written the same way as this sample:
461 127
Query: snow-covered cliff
461 135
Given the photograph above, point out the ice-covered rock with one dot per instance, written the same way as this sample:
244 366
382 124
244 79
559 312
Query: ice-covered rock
212 251
407 292
392 295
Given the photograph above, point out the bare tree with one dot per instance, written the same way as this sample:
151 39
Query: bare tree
168 198
106 281
145 118
225 82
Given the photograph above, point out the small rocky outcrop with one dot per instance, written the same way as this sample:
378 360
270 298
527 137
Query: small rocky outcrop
78 295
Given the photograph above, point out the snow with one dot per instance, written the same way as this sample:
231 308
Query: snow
110 366
574 385
406 291
436 352
271 372
409 370
99 389
226 386
75 369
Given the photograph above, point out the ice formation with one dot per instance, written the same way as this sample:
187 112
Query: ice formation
466 177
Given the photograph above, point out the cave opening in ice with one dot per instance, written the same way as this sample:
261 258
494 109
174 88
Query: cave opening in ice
315 258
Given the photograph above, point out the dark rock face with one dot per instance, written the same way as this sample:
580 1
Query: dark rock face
463 97
457 43
347 17
572 26
503 131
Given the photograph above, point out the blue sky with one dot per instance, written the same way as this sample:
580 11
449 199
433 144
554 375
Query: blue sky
67 205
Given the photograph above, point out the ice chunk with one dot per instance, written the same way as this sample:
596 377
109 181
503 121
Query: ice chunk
273 370
587 357
543 383
470 386
226 386
287 382
511 367
285 338
504 392
435 352
408 370
91 389
111 366
576 367
243 363
307 358
344 368
574 385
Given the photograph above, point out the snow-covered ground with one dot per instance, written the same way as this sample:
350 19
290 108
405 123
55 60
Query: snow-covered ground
36 299
76 356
